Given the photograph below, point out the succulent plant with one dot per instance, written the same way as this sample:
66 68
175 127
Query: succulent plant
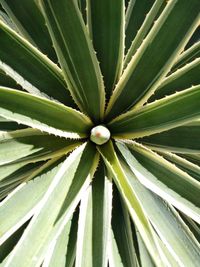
99 133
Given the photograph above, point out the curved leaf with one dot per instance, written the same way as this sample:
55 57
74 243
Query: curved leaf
132 89
114 256
135 15
145 259
121 226
8 125
30 68
30 23
83 6
7 81
106 24
76 55
43 114
129 197
95 222
164 179
159 116
194 39
32 145
187 56
183 164
180 80
183 139
56 255
11 221
154 12
62 197
168 224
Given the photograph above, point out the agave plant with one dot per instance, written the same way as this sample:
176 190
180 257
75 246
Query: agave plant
99 133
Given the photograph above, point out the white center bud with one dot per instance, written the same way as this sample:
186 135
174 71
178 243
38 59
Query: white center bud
100 135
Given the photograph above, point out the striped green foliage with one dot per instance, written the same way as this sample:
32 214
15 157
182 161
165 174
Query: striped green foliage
99 133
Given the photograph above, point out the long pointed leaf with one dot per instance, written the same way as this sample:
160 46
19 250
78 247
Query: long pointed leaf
194 38
188 56
63 195
8 125
135 15
145 27
76 55
159 116
183 139
185 165
165 179
168 224
145 258
95 222
42 114
114 256
10 221
106 25
146 63
5 80
182 79
122 232
135 209
55 256
83 6
30 68
30 23
30 144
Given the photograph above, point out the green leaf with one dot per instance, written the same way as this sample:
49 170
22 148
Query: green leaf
122 232
164 179
181 79
11 170
101 210
193 226
30 23
126 3
155 11
21 175
9 244
129 197
49 245
194 38
32 145
8 125
43 114
10 221
106 25
56 255
185 165
25 174
187 56
76 55
183 139
145 258
5 18
146 63
62 197
94 222
135 15
159 116
114 256
5 80
83 6
194 158
71 250
167 223
30 68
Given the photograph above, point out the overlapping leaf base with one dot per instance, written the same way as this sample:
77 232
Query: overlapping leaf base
99 133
